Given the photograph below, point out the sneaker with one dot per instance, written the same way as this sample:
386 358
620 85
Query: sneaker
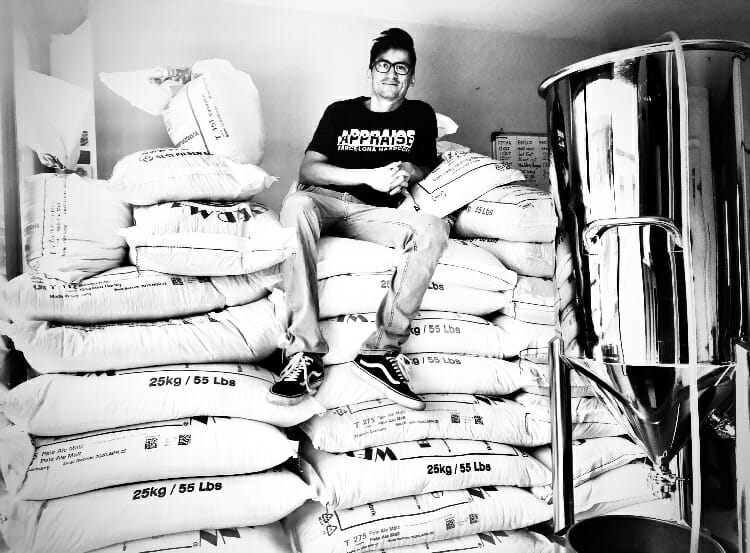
389 373
302 375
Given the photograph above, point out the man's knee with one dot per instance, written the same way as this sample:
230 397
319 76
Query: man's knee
433 231
296 205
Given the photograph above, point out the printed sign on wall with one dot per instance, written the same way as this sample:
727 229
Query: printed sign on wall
526 152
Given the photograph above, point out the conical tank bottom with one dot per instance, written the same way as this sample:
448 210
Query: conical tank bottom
651 401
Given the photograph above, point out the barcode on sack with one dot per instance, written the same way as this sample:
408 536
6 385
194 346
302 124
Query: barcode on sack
473 518
184 439
450 524
151 443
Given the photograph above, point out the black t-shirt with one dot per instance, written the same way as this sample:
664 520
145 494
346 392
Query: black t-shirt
353 137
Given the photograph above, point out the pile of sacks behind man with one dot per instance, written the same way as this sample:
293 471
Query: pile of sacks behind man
154 309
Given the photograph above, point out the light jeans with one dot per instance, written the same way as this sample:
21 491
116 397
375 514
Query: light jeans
314 210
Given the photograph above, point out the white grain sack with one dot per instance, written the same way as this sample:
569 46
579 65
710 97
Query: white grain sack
245 219
149 90
463 374
582 409
116 295
70 225
240 334
496 541
202 254
160 175
47 468
469 265
445 125
346 256
461 264
534 301
218 111
527 340
429 373
537 381
516 212
341 386
613 489
268 538
80 523
460 178
247 288
208 238
62 404
433 331
414 519
594 457
448 416
363 292
654 508
525 258
410 468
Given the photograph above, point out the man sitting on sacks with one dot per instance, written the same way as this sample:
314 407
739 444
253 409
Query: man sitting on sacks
363 155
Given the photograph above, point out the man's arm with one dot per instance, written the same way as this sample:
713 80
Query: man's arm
316 170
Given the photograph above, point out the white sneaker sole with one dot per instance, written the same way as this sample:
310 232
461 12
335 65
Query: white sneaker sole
287 401
391 394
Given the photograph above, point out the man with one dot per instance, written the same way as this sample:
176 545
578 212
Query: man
363 155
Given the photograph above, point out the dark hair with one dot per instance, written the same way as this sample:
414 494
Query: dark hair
393 39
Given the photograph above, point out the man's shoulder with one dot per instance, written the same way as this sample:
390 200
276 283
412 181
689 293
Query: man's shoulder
347 103
421 107
419 104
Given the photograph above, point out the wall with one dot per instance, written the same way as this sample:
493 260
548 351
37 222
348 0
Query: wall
302 61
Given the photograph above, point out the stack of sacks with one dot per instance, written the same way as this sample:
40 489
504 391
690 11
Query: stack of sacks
194 215
609 474
517 224
82 327
148 404
452 348
562 312
387 476
160 478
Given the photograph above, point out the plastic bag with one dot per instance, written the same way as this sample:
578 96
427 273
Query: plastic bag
51 114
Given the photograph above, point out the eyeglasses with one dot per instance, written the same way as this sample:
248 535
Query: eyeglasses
383 66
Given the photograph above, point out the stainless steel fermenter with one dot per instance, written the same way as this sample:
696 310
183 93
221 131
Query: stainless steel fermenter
648 172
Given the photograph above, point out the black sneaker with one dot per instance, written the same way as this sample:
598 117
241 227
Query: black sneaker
302 375
389 373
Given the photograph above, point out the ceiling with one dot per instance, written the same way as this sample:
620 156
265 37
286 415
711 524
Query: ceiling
615 23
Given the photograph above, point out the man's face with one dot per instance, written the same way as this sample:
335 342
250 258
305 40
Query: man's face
391 85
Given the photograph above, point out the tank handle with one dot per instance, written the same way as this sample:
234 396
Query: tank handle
594 231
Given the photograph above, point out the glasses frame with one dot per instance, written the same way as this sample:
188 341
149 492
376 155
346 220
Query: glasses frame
389 64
